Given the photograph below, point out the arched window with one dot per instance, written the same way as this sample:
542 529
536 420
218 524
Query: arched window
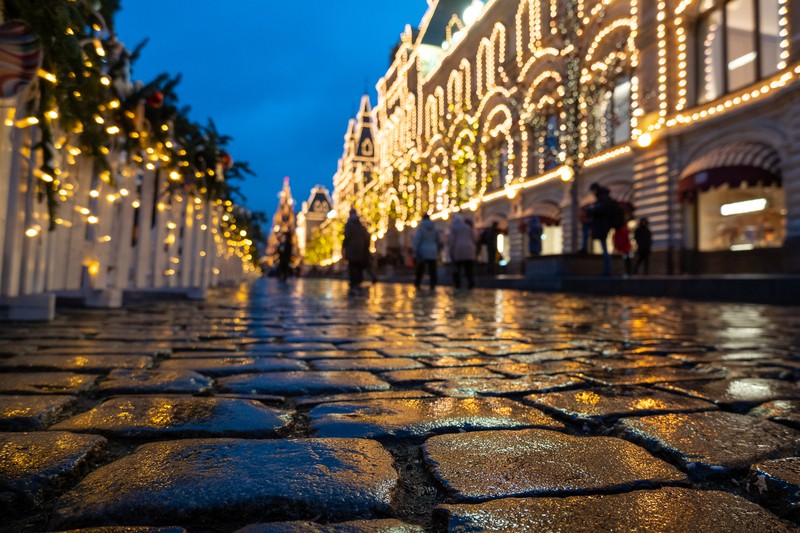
738 43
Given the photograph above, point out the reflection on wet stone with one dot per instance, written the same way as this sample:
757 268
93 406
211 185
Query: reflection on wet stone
224 480
668 509
25 413
739 393
490 379
464 388
387 525
153 417
31 463
46 383
154 382
421 417
714 442
299 383
599 404
498 464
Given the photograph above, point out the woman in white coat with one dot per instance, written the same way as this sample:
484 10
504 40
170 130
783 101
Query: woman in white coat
462 249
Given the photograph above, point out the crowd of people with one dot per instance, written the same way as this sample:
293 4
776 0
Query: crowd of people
464 244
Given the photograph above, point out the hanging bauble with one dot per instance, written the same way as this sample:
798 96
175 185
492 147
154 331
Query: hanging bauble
156 99
20 56
226 160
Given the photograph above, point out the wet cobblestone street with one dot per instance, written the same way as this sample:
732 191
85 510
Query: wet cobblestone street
296 408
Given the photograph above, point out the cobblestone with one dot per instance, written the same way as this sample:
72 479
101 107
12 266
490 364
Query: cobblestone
295 408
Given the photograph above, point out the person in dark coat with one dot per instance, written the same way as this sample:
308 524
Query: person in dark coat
285 256
535 231
644 240
356 250
601 212
491 247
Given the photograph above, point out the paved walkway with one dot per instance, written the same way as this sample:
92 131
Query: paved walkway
296 408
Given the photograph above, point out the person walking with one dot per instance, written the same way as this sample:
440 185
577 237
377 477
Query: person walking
622 246
644 240
601 212
462 250
535 231
356 250
426 251
285 256
491 234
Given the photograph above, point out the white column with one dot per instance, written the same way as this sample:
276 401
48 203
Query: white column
77 260
144 242
7 114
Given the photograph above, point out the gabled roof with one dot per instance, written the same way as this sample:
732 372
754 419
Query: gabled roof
435 33
364 130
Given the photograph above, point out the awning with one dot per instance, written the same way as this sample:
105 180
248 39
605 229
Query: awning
735 163
549 213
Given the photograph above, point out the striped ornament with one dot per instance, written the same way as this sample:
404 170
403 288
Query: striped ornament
20 56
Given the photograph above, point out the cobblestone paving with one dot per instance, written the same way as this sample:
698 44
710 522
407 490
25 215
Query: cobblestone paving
295 408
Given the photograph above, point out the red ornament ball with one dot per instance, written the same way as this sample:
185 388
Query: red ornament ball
226 160
156 99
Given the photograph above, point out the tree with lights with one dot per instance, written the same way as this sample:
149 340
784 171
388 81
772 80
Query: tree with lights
589 78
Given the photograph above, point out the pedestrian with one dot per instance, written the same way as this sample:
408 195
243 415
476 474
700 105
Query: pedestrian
285 256
644 240
535 231
426 251
491 247
622 246
602 212
356 250
585 219
462 250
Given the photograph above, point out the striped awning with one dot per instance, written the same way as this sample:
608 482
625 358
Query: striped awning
549 213
735 163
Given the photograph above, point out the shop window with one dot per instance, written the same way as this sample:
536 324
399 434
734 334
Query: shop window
552 240
741 218
738 43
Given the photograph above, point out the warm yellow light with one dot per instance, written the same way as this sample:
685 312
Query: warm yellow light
93 268
32 232
112 130
243 233
52 115
174 175
92 219
136 204
123 192
94 193
566 174
48 76
645 140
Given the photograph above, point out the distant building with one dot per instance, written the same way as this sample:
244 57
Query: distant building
507 109
313 213
284 223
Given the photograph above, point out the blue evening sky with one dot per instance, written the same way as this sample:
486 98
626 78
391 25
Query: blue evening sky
282 78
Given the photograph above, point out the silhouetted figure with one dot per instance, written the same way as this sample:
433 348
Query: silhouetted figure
356 250
535 231
601 212
644 240
490 237
285 256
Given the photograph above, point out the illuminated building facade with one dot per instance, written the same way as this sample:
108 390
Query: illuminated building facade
313 213
507 109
